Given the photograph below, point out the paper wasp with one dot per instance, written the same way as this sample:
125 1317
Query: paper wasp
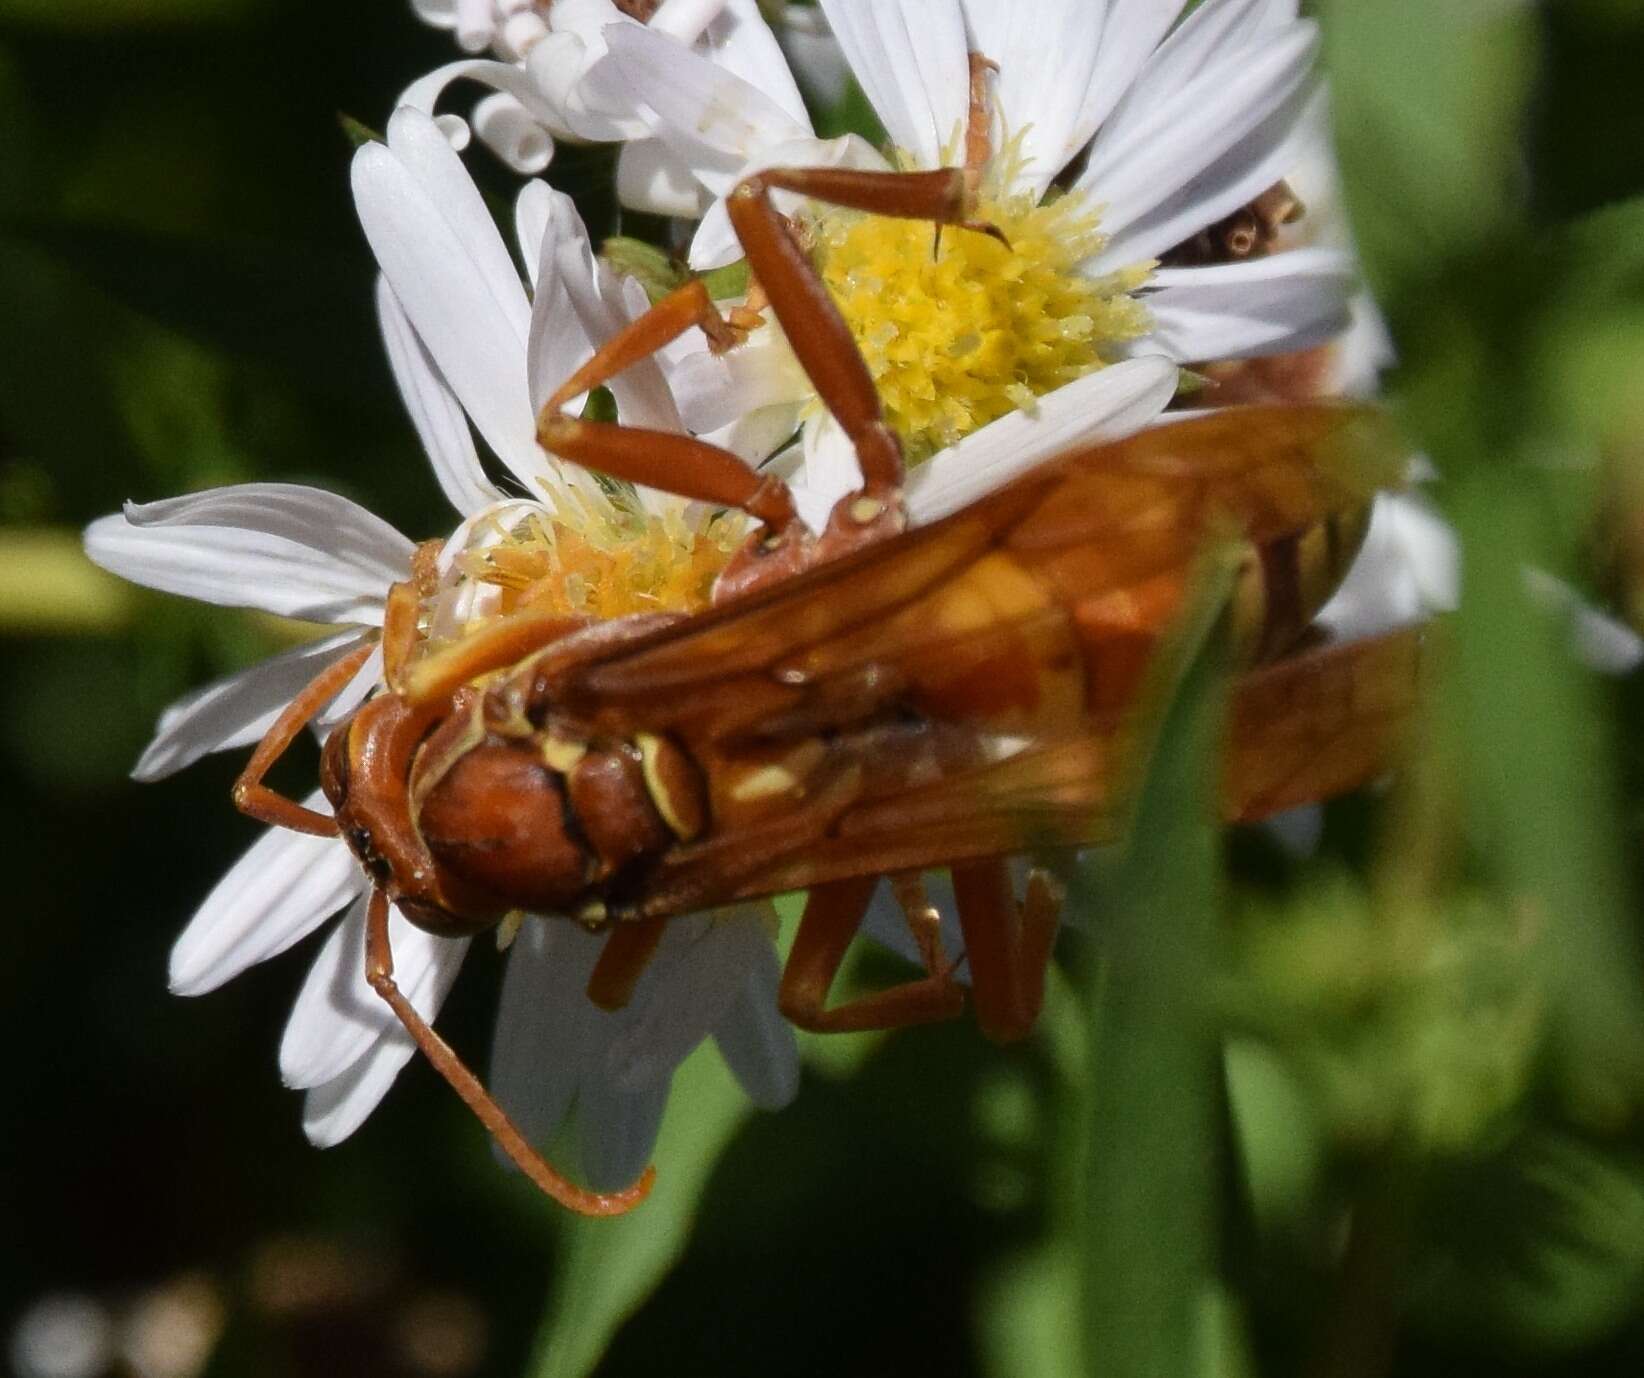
863 701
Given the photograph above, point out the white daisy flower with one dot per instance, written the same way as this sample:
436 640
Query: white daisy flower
552 79
467 345
1116 136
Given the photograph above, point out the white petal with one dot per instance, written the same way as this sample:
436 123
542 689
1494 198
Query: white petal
757 1043
740 41
1297 830
715 243
1136 164
697 106
1408 568
1269 153
335 1109
754 437
550 1037
513 133
1101 406
434 412
650 176
533 208
1045 53
684 20
573 70
237 709
828 471
814 56
424 94
351 696
280 891
282 548
616 1131
913 65
713 390
887 925
559 343
1273 305
1131 30
452 275
693 980
337 1017
1598 640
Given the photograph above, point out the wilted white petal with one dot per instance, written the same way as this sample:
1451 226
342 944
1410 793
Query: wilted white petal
334 1110
914 68
559 342
424 94
757 1043
1271 305
435 413
337 1017
237 709
693 979
550 1036
280 891
1100 406
282 548
616 1131
513 133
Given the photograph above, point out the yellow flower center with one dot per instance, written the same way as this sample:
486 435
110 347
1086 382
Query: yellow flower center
604 559
958 338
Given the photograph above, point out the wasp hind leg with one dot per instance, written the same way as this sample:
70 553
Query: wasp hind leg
1008 946
379 972
833 914
253 797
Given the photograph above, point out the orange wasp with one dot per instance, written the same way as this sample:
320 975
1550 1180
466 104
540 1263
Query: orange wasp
861 702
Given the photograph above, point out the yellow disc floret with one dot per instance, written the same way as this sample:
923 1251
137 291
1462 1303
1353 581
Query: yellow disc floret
959 337
604 559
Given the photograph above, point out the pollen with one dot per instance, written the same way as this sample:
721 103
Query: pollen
604 559
961 329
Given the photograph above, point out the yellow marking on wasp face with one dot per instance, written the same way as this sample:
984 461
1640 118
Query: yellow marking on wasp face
593 913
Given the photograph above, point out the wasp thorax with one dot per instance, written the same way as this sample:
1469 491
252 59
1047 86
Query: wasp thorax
498 819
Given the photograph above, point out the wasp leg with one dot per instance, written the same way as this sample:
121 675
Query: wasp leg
494 647
677 464
815 329
833 913
379 971
253 797
1008 947
622 961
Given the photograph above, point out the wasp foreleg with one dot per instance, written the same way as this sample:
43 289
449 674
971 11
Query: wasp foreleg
253 797
379 971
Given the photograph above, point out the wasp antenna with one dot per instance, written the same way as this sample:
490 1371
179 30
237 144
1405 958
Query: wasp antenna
379 971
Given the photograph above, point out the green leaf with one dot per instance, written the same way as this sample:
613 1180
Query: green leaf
1538 1247
607 1268
1150 1123
1428 101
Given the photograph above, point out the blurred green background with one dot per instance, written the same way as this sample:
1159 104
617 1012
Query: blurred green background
1410 1142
